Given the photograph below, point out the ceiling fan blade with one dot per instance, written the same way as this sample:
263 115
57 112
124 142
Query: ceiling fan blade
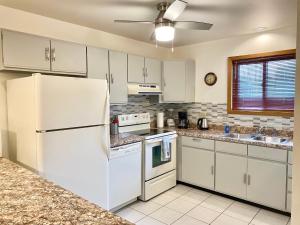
134 21
175 10
192 25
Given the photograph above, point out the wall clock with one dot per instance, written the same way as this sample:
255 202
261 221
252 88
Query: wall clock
210 79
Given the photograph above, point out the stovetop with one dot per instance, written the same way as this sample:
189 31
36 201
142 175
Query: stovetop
152 133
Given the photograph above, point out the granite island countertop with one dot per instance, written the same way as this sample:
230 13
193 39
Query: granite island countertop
218 135
124 139
26 198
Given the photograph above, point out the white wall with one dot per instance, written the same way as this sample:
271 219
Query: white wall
296 152
212 57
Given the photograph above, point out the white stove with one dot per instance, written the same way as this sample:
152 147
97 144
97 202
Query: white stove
159 153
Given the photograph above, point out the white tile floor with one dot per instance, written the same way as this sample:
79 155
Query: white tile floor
183 205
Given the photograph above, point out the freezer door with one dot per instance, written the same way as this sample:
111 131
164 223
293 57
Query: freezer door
65 102
76 160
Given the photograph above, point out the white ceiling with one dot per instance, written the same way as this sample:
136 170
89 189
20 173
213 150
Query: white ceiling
230 17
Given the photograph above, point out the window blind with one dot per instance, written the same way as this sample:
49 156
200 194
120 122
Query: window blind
264 84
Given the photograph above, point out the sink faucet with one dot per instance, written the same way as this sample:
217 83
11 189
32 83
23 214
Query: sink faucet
260 130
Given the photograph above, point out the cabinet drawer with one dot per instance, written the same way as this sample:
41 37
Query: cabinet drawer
290 171
290 185
290 157
233 148
198 143
267 153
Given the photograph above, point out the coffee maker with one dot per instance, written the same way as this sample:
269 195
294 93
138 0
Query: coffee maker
183 121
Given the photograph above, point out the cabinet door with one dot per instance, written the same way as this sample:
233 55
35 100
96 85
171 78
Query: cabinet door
118 77
174 81
190 81
97 63
136 66
68 57
23 51
198 167
231 172
267 183
153 71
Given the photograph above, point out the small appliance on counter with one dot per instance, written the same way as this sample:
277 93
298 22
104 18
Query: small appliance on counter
170 120
202 124
160 120
183 122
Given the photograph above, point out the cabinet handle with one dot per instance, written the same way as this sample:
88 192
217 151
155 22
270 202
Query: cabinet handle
196 139
245 178
212 170
146 72
47 54
53 55
106 77
249 179
111 78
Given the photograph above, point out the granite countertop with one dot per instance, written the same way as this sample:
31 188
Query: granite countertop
218 135
26 198
124 139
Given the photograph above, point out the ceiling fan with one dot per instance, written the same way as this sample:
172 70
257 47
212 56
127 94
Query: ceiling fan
166 23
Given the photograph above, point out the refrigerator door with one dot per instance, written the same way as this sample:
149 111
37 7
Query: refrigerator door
76 159
66 102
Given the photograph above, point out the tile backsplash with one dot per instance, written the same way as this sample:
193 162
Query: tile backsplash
215 113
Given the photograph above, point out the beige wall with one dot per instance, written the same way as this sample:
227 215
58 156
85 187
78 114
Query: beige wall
296 152
212 57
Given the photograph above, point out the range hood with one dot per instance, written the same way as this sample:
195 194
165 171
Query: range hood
144 89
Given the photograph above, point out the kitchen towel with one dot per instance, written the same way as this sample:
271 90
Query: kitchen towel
166 150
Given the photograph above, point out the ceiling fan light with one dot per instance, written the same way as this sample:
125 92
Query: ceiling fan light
164 33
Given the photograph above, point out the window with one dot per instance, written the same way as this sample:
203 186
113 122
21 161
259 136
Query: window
262 84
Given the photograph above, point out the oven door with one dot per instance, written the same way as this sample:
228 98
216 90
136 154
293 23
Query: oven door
154 166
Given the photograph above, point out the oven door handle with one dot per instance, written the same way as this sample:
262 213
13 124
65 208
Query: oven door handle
159 139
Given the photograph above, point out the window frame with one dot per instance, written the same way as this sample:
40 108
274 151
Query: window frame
230 110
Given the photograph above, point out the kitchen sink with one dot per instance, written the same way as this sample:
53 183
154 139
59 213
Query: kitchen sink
237 136
257 137
268 139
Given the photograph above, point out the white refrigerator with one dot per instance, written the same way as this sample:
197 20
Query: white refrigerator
59 127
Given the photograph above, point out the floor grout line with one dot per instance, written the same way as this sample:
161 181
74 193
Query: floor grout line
182 194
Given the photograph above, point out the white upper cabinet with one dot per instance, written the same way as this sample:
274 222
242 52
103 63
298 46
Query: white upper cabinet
174 81
67 57
97 63
190 79
178 81
136 69
152 71
118 77
144 70
25 52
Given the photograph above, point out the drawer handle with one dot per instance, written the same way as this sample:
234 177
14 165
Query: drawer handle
196 139
249 180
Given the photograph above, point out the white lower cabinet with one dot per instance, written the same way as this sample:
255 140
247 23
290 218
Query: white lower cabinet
198 167
231 172
267 183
